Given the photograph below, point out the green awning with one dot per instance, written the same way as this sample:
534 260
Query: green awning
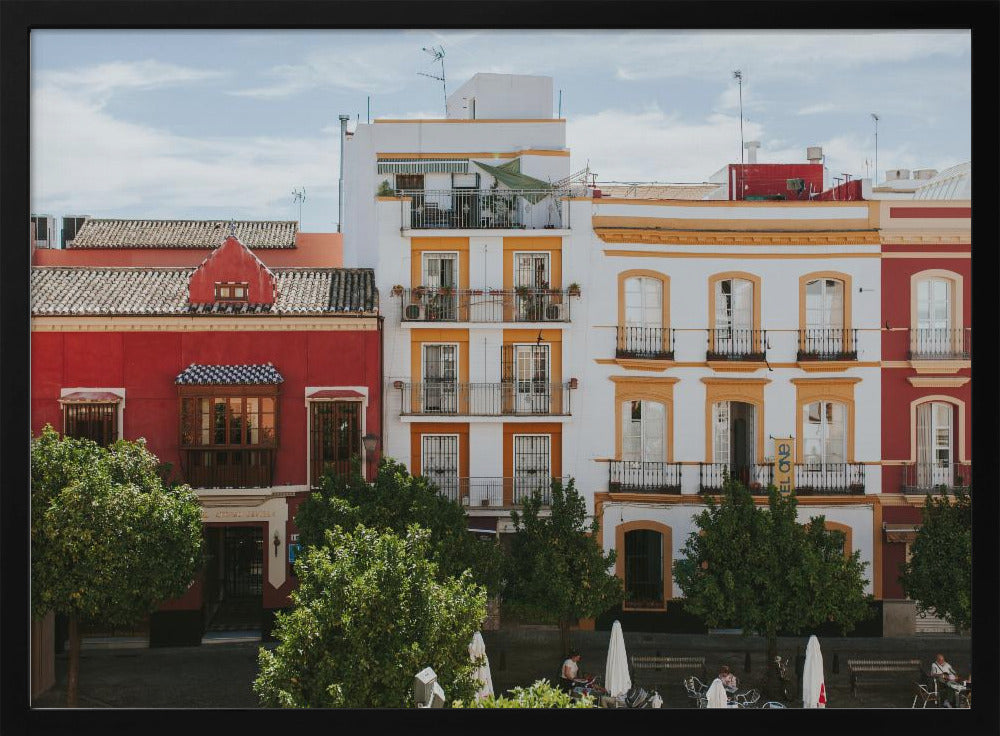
509 174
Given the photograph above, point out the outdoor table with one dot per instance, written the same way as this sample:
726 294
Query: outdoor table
959 688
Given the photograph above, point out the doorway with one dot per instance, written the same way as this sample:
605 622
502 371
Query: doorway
735 437
234 578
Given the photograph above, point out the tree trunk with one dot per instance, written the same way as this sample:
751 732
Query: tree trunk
772 682
564 636
73 672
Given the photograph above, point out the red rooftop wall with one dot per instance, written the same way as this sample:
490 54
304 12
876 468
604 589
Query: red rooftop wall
232 262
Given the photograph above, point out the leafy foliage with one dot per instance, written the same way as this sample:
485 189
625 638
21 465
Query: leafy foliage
557 571
392 503
939 574
108 540
760 570
540 695
371 611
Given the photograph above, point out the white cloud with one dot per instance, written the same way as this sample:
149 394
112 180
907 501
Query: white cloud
819 107
103 80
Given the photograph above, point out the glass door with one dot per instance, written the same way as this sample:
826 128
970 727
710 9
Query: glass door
935 450
531 284
531 465
533 391
933 317
334 436
440 379
439 462
733 317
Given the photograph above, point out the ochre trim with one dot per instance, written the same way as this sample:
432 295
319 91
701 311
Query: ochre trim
733 254
420 246
642 364
845 280
419 429
925 254
746 227
553 429
937 366
808 390
746 390
830 366
957 295
667 561
955 401
938 381
664 297
548 244
736 366
419 338
660 390
722 276
551 337
659 237
877 550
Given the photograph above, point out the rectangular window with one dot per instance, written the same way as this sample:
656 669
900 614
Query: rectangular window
439 462
643 569
232 291
643 431
440 270
532 465
440 392
824 440
533 388
228 438
531 270
91 421
334 437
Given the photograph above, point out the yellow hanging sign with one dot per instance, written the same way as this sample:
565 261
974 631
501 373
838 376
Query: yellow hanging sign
784 463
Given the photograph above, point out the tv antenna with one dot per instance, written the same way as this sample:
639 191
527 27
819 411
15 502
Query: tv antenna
738 76
437 54
875 119
299 196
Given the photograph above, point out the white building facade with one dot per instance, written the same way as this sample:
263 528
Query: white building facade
534 329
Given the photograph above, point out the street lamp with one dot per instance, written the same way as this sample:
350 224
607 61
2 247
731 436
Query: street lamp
370 442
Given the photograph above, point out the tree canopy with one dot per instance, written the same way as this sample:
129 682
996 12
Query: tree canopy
109 542
558 571
759 569
371 611
939 574
394 502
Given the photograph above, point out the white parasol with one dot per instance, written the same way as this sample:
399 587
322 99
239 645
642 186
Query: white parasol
813 685
616 677
477 649
716 695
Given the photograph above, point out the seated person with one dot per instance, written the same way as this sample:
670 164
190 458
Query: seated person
570 669
943 672
728 679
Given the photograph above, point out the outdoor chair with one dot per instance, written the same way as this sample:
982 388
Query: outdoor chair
696 690
747 699
773 704
927 696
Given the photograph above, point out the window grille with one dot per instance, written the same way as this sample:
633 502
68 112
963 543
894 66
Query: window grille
643 569
91 421
439 462
334 437
532 470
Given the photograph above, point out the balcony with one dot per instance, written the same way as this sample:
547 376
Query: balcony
495 492
507 398
627 476
833 343
228 468
711 477
645 343
737 344
483 209
829 479
425 304
936 477
940 343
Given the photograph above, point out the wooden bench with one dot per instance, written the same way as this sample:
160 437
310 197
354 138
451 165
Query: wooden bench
642 662
873 669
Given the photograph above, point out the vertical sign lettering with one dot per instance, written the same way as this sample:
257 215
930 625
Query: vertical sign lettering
784 463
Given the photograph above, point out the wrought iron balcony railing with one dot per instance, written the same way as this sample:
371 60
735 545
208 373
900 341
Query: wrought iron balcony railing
496 492
507 398
227 468
736 344
831 343
426 304
711 476
633 476
935 477
482 209
829 478
653 343
932 343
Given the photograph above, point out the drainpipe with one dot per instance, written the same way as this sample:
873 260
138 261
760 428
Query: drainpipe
381 387
340 186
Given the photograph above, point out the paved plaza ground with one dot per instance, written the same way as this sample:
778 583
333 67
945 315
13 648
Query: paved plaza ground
220 675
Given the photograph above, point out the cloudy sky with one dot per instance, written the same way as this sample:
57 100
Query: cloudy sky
220 124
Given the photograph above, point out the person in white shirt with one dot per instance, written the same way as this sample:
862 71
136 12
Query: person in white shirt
570 668
944 672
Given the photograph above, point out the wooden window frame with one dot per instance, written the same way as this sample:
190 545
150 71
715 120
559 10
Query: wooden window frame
74 406
667 540
231 298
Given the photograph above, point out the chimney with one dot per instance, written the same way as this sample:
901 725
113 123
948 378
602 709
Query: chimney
814 154
751 147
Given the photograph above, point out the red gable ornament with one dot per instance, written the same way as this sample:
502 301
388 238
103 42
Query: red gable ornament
232 262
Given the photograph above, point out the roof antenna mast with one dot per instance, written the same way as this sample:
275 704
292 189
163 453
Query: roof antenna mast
875 119
299 196
437 54
738 76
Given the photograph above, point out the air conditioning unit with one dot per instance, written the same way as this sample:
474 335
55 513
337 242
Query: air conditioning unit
795 185
71 226
45 234
465 500
415 312
554 312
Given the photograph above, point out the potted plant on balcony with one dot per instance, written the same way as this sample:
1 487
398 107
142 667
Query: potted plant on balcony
385 189
397 290
573 289
756 487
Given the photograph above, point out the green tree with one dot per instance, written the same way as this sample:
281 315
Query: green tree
393 502
540 695
369 613
558 571
758 569
108 541
939 574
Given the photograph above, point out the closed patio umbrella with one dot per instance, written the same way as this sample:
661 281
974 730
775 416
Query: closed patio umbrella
716 695
616 677
477 649
813 685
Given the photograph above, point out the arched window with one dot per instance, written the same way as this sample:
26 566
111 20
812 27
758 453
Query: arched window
824 304
935 444
644 431
643 302
644 569
936 320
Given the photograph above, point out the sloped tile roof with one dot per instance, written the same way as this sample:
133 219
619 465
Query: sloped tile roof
97 233
164 291
214 375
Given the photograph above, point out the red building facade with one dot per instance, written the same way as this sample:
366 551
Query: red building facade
926 364
250 381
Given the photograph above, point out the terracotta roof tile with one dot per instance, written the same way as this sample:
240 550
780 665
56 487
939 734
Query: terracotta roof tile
98 233
213 375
